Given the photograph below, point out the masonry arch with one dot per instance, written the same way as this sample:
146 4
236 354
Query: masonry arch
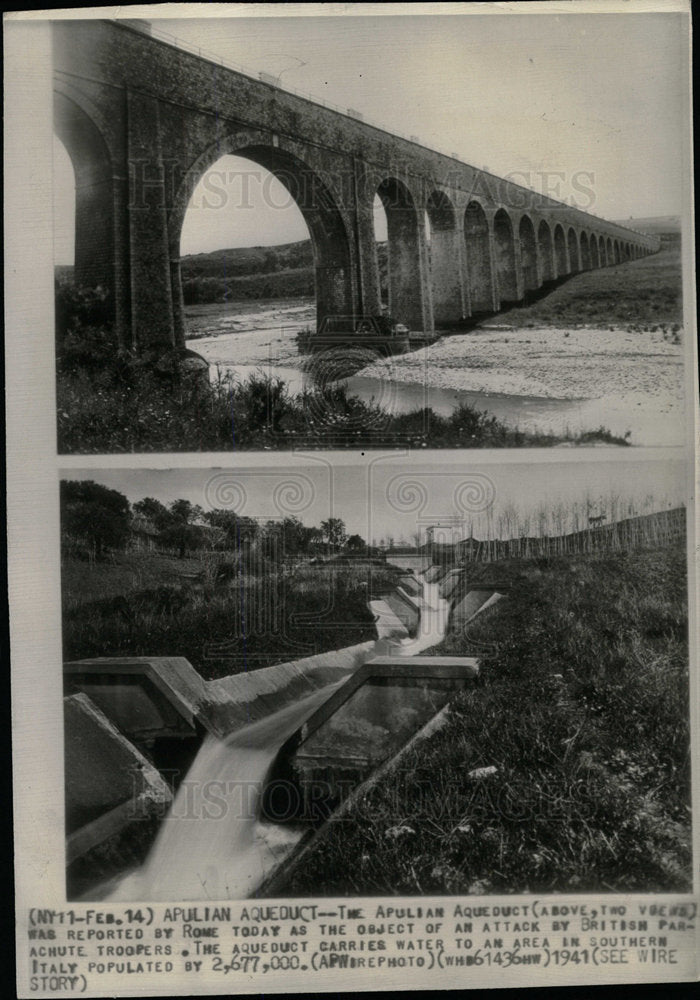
585 252
444 259
405 296
545 246
609 253
63 197
574 253
331 248
560 256
616 252
528 254
504 246
89 154
478 246
602 257
593 249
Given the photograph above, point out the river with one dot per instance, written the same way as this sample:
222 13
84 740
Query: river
607 379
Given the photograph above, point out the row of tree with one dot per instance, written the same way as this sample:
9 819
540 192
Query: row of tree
101 519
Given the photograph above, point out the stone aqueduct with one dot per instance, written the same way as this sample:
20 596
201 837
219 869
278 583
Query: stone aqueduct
143 120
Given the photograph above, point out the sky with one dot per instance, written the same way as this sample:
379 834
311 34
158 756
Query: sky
598 98
384 498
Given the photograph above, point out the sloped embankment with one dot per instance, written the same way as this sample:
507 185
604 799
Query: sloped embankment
580 717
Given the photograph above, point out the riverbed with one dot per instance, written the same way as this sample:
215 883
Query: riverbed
544 379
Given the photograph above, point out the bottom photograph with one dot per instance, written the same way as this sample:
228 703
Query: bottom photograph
350 679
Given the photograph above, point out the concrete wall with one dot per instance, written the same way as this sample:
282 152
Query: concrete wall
109 785
388 624
235 701
472 604
218 706
411 561
404 610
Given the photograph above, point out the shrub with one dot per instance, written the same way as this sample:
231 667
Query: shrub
117 403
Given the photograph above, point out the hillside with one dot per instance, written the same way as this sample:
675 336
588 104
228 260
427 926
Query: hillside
284 271
640 294
564 769
226 620
654 225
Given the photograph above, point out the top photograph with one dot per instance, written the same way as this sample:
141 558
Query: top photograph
427 231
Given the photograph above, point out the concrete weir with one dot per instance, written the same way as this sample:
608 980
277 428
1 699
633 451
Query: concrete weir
316 728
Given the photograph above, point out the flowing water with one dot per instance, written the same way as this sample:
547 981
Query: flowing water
212 844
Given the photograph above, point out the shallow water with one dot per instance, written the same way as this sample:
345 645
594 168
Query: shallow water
244 343
527 413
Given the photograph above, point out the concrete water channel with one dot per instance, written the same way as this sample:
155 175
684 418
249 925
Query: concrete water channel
268 756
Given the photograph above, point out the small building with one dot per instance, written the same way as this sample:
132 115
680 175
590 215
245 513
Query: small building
142 535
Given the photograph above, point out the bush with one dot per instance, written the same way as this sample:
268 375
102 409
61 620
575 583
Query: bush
239 617
117 403
79 308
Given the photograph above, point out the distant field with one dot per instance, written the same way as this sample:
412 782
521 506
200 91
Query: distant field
250 273
654 225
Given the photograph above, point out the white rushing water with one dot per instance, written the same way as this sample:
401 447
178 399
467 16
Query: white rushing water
212 844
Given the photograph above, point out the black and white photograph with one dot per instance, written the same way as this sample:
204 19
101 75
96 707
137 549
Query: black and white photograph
281 253
347 681
352 421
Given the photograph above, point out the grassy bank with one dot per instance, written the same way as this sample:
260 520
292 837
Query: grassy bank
233 618
644 294
126 407
582 709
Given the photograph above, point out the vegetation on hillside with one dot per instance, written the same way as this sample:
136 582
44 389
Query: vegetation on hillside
224 591
580 717
233 617
644 294
249 273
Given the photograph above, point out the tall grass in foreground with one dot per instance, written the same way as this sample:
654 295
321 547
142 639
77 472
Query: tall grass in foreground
582 709
125 407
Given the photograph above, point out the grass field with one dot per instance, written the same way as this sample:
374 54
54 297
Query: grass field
120 574
581 709
231 620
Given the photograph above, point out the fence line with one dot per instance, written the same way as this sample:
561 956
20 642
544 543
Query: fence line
661 528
